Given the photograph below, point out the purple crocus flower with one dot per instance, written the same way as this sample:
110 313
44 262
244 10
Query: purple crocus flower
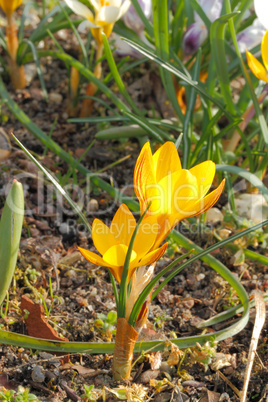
133 21
251 36
197 33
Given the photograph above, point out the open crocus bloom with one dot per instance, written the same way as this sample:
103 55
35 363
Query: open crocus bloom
174 193
256 67
9 6
261 9
112 243
107 12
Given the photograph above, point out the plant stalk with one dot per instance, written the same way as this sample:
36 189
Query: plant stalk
87 105
125 340
16 72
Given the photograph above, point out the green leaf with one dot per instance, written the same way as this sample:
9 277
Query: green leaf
252 178
173 69
10 233
217 34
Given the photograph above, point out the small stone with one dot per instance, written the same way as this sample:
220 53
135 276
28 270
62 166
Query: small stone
54 97
252 206
224 233
214 216
166 368
200 277
93 205
37 374
149 375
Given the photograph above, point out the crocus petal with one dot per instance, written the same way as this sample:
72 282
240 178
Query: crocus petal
92 257
264 50
125 6
166 160
9 6
85 25
204 173
261 9
184 191
206 203
108 14
96 4
123 225
256 67
147 232
212 8
143 174
133 21
251 36
115 3
153 256
101 236
116 255
80 9
194 37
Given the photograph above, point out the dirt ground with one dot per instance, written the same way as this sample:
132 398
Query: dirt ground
73 292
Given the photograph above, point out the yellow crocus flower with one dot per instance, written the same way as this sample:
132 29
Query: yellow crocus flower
112 243
174 193
255 66
9 6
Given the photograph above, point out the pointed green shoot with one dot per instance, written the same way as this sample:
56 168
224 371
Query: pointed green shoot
10 232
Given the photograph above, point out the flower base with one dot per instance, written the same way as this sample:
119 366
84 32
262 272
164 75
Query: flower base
125 340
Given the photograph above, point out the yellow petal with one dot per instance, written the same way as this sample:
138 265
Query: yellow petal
123 225
264 50
147 233
166 224
184 192
143 174
206 203
256 67
92 257
116 256
153 256
204 173
97 260
166 160
101 236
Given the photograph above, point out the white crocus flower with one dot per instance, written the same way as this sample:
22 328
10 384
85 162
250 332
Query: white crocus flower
106 13
261 9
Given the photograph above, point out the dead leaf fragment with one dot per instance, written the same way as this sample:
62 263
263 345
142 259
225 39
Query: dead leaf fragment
83 371
36 322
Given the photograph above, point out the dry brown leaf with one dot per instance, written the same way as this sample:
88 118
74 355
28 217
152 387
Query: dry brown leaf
37 325
83 371
259 322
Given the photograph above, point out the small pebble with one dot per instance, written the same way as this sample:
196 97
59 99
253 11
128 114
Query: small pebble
54 97
214 216
37 374
149 375
93 205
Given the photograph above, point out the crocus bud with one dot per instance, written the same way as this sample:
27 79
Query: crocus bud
9 6
197 33
133 21
194 37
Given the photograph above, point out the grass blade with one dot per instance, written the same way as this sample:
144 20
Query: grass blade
56 185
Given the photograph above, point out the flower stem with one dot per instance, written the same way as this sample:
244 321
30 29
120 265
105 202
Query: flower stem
16 72
125 340
92 88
